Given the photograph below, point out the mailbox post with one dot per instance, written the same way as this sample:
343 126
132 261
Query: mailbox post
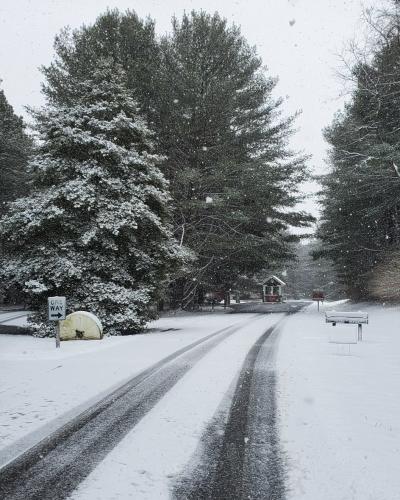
56 309
349 318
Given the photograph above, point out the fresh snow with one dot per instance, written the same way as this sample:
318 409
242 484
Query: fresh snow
148 460
339 406
42 387
14 318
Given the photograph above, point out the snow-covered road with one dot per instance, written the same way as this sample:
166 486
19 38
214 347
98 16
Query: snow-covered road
8 317
42 387
161 412
231 412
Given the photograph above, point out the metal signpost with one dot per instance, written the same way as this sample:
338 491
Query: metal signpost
57 307
319 296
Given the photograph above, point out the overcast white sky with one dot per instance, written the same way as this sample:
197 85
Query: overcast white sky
298 40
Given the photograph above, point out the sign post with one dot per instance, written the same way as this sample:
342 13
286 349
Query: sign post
57 307
319 296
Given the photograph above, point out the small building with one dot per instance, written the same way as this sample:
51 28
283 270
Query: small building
273 290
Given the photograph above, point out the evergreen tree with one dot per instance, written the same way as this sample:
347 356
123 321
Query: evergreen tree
233 179
306 274
124 38
15 147
361 195
94 227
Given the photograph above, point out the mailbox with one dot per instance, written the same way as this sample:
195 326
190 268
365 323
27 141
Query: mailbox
348 318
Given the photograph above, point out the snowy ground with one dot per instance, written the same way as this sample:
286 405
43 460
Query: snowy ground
338 404
42 387
339 411
13 318
151 457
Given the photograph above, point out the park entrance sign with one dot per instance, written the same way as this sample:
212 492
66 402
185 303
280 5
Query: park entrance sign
318 296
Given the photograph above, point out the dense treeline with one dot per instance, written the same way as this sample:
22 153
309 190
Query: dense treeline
360 227
212 130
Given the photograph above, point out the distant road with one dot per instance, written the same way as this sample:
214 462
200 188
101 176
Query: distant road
290 306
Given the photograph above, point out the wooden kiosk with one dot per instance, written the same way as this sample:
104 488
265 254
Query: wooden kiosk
272 290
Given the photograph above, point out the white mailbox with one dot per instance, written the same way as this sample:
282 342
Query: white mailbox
349 318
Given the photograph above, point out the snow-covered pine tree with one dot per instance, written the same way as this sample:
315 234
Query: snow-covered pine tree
15 147
95 227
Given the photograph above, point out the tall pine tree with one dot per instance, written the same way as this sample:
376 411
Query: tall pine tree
95 226
360 224
233 178
15 147
122 37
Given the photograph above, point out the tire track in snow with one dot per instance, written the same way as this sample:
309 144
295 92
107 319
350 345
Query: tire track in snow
240 454
12 318
55 466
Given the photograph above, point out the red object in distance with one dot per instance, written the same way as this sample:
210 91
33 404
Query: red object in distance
272 298
318 295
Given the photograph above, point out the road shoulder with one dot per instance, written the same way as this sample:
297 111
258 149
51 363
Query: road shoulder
338 409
